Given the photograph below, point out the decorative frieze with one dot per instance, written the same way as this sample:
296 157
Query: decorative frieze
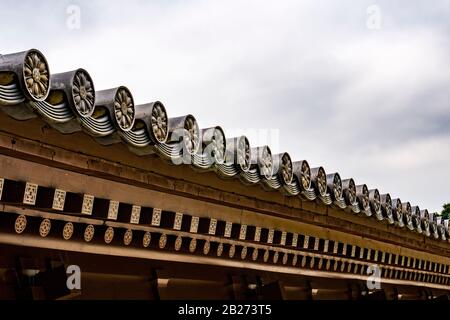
59 199
127 237
109 235
89 233
335 247
369 252
243 232
306 242
266 255
44 228
294 239
311 262
178 243
255 254
212 226
20 224
285 258
275 257
147 239
206 247
88 204
325 245
68 231
228 227
135 214
113 209
344 249
303 263
2 182
30 194
156 217
316 244
244 253
194 225
178 221
294 260
257 237
270 236
220 249
283 238
232 251
162 241
193 245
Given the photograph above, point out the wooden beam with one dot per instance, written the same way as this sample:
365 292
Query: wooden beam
152 173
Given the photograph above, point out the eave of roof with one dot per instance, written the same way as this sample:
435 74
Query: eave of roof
69 103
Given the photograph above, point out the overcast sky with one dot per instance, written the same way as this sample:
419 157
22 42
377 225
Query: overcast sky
362 88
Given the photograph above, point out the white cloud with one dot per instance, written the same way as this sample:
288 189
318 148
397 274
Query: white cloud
371 104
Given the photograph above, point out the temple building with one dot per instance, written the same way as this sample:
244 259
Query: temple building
143 205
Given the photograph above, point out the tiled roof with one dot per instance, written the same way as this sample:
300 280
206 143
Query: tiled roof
69 103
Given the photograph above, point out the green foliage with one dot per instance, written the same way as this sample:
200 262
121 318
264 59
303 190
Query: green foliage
446 211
